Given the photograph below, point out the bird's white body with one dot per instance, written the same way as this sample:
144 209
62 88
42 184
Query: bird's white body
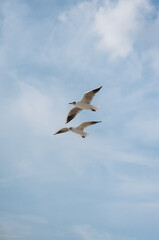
79 131
86 106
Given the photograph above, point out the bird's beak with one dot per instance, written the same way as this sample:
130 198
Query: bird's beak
70 103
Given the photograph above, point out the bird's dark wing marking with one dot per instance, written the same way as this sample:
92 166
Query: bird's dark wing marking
72 113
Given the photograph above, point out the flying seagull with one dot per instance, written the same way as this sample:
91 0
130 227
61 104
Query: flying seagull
84 103
79 129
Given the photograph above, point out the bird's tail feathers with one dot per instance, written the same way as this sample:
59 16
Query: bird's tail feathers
95 108
85 134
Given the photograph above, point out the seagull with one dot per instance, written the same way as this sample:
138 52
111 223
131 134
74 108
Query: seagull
79 129
84 103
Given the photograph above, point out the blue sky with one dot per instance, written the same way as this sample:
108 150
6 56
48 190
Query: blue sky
103 187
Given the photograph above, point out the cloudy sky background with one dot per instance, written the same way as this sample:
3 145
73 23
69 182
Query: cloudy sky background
103 187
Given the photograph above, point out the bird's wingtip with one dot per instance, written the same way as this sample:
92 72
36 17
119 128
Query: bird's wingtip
97 89
98 121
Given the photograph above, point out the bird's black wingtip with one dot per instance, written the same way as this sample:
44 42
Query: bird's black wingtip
67 121
69 118
97 89
99 121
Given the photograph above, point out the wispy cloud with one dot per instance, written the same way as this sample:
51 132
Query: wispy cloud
117 24
145 130
34 218
134 187
151 58
87 232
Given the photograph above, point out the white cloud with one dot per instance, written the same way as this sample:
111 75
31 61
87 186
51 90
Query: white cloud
117 24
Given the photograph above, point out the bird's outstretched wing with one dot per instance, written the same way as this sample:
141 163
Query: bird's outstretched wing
88 96
62 130
72 113
87 124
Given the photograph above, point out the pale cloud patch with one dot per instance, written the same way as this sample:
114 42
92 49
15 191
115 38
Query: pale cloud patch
124 213
34 219
144 128
12 229
117 25
85 232
19 226
15 41
3 183
140 187
151 58
36 109
150 36
119 152
29 116
62 17
88 232
25 167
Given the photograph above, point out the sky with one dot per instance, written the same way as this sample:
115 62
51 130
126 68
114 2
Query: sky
64 187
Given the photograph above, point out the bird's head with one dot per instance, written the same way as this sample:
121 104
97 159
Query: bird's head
70 128
74 103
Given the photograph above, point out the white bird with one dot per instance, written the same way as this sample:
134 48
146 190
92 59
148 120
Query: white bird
79 129
84 103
